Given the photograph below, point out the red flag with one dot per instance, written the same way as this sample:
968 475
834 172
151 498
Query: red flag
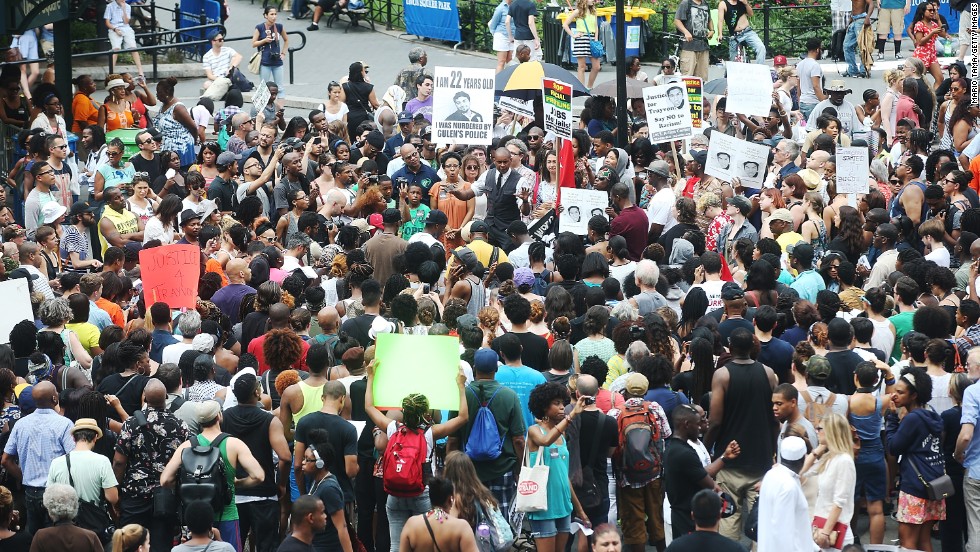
726 272
566 171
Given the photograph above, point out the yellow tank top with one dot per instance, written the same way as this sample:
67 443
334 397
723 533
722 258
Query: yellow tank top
126 223
312 401
593 23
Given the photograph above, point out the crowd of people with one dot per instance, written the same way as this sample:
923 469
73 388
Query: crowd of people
710 364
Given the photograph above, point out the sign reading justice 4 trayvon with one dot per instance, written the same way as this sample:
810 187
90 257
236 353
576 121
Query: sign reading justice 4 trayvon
462 105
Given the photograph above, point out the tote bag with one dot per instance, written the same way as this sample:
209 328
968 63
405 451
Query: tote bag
532 486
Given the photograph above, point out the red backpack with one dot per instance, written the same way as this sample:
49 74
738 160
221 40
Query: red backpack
639 456
402 463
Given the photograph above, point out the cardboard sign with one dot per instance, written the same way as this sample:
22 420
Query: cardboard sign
524 108
730 158
695 98
668 113
462 105
170 275
15 297
749 88
426 364
852 170
557 107
580 206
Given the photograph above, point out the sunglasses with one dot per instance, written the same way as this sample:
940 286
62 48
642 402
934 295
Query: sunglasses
113 153
472 167
62 146
268 238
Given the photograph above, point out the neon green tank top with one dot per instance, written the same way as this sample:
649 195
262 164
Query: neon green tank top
230 513
593 23
312 401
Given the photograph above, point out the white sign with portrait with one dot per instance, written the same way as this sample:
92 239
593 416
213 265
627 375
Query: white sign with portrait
580 206
749 88
668 112
462 105
730 158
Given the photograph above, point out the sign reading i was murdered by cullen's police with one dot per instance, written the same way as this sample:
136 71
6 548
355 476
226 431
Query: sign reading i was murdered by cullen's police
557 107
462 106
668 112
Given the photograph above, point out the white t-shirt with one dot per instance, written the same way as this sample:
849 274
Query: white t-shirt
154 230
201 116
220 63
940 256
661 208
713 290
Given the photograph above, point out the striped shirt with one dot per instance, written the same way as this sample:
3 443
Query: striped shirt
219 63
74 241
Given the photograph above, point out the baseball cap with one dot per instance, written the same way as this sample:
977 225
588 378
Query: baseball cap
207 411
188 215
818 367
391 216
637 384
376 222
484 361
405 117
479 226
293 143
467 257
741 203
437 217
467 321
207 208
792 448
731 291
361 225
227 158
700 156
80 207
51 211
523 276
782 214
660 167
779 60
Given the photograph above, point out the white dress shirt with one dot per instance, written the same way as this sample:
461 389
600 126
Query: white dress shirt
784 522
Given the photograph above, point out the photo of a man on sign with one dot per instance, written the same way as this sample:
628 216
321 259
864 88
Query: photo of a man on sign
676 96
463 111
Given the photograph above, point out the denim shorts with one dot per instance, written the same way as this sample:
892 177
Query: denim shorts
544 528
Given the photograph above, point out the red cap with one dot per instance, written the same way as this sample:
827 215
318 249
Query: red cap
375 221
779 60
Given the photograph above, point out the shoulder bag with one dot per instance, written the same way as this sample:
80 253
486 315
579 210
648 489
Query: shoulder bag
937 489
596 49
92 515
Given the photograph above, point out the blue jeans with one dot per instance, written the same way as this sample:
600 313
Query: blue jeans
400 509
299 6
751 38
850 45
274 74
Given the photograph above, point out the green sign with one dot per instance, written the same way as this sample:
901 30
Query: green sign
426 364
21 15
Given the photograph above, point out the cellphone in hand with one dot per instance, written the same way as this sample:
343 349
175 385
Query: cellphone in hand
425 288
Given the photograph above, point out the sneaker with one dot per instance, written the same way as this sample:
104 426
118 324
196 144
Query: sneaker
881 56
898 55
313 27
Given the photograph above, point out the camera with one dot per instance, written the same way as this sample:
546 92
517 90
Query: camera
589 401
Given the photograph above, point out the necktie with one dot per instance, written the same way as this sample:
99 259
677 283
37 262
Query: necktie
500 180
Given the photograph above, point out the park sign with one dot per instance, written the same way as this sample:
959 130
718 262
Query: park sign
17 16
557 107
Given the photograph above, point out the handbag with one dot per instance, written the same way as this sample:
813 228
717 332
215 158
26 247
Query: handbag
589 494
837 535
92 515
532 485
493 533
937 489
596 49
255 63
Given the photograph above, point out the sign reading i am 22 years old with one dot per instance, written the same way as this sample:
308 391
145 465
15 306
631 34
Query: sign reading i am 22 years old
462 105
557 107
170 275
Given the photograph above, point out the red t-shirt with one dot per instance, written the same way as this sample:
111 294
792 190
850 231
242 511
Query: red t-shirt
255 347
632 223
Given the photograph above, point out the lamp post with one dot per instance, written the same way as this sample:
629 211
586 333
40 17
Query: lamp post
622 117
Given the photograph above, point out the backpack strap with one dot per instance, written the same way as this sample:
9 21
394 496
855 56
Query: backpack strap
64 378
71 481
219 439
425 518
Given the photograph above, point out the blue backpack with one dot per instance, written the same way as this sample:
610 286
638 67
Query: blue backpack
485 442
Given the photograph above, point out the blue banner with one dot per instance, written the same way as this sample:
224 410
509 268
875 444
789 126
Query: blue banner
437 19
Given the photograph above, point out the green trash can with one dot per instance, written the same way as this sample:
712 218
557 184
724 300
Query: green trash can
552 28
128 137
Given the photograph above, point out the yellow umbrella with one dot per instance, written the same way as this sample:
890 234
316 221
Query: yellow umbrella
524 80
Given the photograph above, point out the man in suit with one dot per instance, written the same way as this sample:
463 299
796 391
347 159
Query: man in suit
504 200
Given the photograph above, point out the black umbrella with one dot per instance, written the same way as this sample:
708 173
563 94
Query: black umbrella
524 80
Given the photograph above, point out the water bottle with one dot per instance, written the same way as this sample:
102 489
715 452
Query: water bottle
871 136
443 194
483 531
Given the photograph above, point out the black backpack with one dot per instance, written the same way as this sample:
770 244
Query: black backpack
202 475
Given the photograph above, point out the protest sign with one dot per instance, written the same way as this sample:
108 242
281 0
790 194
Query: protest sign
852 170
730 158
15 297
580 206
695 98
426 364
668 113
543 226
436 19
260 98
462 105
557 107
170 275
750 92
523 108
